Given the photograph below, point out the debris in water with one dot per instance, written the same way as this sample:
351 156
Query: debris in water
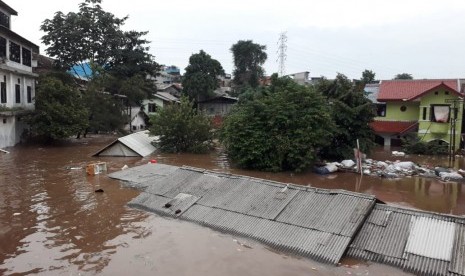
124 167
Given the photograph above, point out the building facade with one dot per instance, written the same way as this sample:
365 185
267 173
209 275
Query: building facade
433 109
17 81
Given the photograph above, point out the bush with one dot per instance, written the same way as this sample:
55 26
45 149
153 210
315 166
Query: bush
282 128
181 128
413 145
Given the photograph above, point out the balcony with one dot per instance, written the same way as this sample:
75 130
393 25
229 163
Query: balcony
439 127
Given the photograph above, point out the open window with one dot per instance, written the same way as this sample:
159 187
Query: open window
152 107
381 110
15 52
440 113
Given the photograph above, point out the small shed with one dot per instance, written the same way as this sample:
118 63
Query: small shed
138 144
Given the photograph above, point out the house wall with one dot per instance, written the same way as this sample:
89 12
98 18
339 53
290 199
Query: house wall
216 108
11 74
427 130
11 130
156 101
24 81
394 113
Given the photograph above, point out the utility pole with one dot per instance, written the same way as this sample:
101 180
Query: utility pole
282 56
453 123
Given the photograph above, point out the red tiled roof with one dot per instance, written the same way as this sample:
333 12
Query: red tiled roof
392 90
392 126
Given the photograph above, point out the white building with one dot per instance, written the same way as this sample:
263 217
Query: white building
17 81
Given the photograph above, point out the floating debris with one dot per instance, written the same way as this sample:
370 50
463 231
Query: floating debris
396 169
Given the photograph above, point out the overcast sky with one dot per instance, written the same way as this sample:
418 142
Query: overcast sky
422 37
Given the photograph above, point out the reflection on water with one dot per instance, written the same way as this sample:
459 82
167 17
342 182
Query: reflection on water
51 220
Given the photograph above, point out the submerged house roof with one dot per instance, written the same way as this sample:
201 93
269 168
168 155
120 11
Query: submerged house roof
132 145
318 223
409 90
423 243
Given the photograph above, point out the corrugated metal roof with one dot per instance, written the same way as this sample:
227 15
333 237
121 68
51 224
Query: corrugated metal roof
317 223
419 242
457 264
139 142
431 238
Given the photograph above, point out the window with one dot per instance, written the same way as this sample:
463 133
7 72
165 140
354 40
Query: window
403 108
4 121
15 52
134 127
152 107
29 94
3 92
4 20
425 110
26 57
381 110
440 113
447 92
436 93
2 47
18 93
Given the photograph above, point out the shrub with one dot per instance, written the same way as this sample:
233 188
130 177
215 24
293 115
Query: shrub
413 145
282 128
181 128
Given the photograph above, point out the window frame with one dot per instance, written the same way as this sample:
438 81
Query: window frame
432 118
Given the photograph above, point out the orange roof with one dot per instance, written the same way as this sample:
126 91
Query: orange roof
392 126
395 90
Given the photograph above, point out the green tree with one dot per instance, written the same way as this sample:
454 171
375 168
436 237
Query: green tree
181 128
59 112
248 60
282 128
119 60
403 76
105 112
201 76
368 76
352 112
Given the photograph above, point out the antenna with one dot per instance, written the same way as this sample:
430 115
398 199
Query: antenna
282 56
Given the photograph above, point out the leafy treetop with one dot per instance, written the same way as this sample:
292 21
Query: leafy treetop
248 60
201 76
403 76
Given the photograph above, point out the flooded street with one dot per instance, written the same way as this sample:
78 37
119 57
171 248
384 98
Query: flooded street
53 223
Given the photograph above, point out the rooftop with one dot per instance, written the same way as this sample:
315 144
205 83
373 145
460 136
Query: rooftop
318 223
407 90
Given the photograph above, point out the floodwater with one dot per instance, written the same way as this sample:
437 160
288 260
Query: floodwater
53 223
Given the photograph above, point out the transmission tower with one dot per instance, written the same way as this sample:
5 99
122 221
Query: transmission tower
282 56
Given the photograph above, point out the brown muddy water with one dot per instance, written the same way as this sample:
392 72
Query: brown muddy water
53 223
